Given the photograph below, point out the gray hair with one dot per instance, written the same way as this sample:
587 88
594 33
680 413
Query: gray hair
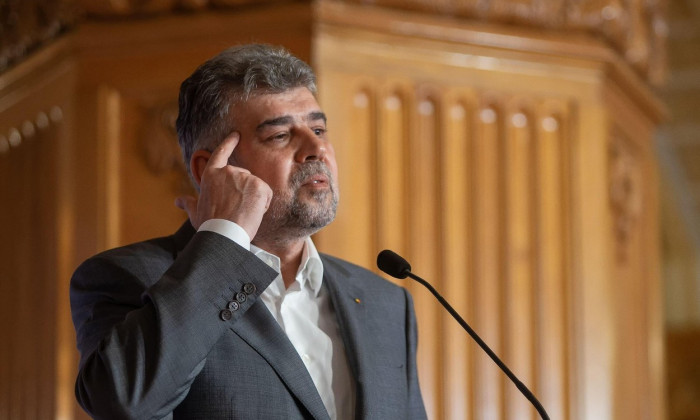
233 75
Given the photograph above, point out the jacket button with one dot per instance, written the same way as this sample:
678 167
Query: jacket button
249 288
233 306
240 297
225 314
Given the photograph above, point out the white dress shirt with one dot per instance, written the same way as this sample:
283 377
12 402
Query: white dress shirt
305 313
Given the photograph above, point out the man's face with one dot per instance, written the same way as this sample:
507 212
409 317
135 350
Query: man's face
283 142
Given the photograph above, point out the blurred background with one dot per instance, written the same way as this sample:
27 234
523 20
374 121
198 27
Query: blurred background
537 160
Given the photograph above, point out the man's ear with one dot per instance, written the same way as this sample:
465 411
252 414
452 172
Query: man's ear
198 162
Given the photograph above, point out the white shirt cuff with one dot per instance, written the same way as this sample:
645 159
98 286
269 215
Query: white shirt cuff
228 229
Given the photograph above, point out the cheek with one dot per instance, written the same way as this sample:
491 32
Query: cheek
275 174
331 163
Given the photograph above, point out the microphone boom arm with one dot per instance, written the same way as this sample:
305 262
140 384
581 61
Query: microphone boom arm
523 389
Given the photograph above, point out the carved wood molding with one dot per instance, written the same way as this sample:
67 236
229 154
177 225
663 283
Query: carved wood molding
161 152
112 8
626 191
28 24
636 29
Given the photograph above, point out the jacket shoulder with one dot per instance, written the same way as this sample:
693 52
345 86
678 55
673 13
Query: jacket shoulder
369 279
146 259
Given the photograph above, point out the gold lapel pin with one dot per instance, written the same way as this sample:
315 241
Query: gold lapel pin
357 300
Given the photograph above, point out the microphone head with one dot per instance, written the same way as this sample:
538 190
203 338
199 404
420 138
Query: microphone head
393 264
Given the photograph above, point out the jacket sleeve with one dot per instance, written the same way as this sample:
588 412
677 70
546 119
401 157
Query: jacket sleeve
143 339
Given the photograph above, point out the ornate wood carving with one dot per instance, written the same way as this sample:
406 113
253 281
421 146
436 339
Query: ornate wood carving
625 192
27 24
635 28
149 7
160 149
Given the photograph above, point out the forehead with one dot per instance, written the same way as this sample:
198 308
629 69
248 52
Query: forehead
298 103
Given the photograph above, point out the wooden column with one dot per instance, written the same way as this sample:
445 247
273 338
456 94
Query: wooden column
514 169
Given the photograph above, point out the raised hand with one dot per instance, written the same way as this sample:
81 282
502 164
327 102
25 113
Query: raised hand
228 192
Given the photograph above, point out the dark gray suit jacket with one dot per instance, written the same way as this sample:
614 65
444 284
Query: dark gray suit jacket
153 343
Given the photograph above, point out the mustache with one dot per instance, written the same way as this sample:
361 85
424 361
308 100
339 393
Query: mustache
307 170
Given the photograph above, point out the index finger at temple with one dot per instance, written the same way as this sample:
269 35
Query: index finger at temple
219 158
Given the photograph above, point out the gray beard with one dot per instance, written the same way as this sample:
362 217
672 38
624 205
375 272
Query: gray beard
290 218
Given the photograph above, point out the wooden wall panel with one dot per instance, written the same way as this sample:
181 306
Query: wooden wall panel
130 77
36 353
393 168
493 178
519 288
424 245
458 171
487 236
88 161
513 170
551 239
456 223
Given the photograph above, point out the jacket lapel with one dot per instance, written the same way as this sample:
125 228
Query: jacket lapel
260 330
348 302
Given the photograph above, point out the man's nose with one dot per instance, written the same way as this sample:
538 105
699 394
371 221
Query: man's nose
312 146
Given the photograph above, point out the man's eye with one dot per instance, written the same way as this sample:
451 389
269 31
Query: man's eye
278 137
319 131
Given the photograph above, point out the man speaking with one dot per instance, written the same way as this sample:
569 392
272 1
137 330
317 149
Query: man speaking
237 315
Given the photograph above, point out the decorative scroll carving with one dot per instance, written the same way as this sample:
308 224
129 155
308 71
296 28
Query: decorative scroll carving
625 192
160 149
637 29
27 24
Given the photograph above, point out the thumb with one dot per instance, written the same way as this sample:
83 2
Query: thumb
189 205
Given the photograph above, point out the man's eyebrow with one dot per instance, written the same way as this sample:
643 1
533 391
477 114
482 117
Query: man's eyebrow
284 120
316 115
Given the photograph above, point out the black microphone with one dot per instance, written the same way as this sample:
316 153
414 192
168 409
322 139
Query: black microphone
396 266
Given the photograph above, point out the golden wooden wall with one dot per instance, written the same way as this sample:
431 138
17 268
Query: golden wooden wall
105 173
130 77
518 176
512 166
36 236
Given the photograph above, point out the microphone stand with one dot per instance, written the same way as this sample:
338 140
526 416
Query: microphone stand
523 389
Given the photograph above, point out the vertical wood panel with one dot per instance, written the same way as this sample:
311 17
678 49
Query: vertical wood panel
362 182
65 228
12 344
551 254
392 170
31 298
629 288
594 335
109 158
25 274
520 328
457 219
48 178
352 130
424 240
5 283
488 383
30 229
